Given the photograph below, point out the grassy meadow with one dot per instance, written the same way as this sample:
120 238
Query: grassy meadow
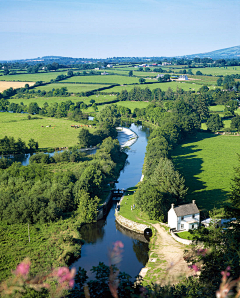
133 104
45 77
207 163
74 88
217 71
106 79
60 134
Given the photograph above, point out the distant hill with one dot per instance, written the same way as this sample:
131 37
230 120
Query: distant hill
228 53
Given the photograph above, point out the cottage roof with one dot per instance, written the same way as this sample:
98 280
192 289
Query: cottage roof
186 209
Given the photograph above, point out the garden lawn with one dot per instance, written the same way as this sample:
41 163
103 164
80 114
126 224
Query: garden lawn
185 235
60 134
207 163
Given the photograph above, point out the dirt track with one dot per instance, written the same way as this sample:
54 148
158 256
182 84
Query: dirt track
170 265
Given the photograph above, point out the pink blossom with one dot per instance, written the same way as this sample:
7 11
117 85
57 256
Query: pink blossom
194 267
23 268
66 276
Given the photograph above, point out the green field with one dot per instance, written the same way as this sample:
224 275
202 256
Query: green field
74 88
207 163
107 79
186 86
41 100
61 134
45 77
217 71
133 104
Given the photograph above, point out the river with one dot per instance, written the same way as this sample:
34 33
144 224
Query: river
99 237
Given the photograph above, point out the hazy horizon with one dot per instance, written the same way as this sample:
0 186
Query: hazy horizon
109 28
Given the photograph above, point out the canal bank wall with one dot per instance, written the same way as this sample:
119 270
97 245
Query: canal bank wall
131 225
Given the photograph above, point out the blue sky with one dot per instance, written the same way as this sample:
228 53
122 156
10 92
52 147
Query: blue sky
116 28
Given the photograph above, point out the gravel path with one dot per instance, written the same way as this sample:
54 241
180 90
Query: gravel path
167 255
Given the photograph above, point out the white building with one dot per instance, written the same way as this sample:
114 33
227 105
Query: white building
183 77
184 217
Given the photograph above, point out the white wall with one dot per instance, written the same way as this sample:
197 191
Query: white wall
172 219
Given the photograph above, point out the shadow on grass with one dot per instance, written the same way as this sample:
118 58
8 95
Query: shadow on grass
190 166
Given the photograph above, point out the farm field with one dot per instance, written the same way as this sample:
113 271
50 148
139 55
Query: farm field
6 85
74 88
207 163
217 71
61 134
163 86
45 77
41 100
133 104
106 79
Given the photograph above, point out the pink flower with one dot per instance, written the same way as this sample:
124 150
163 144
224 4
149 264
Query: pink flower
23 268
66 276
119 244
194 267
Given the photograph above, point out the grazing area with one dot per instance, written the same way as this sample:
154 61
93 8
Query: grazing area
107 79
48 132
73 88
6 85
33 77
207 163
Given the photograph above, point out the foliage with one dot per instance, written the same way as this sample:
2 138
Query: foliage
214 123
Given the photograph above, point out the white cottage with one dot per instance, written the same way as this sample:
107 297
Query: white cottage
184 217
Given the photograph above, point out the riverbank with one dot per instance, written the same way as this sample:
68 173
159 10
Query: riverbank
165 263
131 135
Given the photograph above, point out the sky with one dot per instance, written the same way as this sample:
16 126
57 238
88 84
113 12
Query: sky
116 28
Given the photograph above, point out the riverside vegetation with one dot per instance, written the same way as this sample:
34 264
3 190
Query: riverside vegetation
175 115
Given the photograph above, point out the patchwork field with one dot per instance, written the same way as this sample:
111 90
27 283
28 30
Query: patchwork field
216 71
133 104
207 162
6 85
45 77
74 88
60 134
107 79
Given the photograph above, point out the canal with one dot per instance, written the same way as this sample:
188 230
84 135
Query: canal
99 237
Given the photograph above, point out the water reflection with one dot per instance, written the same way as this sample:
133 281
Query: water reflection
141 250
93 232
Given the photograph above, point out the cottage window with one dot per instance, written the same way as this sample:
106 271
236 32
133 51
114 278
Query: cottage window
182 218
193 215
182 226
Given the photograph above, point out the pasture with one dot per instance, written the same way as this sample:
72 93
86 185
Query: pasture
133 104
207 163
41 100
44 76
106 79
186 86
73 88
60 134
217 71
6 85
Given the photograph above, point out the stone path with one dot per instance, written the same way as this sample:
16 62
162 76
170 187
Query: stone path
166 264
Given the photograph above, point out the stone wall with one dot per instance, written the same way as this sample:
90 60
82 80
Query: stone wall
131 225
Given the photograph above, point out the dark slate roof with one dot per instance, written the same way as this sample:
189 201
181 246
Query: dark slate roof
186 209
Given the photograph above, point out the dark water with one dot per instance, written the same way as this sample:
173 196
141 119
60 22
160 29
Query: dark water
99 237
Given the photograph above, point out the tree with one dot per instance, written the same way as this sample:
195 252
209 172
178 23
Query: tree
230 107
214 123
84 138
198 73
235 123
70 73
33 108
142 80
130 74
219 81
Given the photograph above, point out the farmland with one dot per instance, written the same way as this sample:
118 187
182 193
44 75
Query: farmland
45 77
217 71
107 79
74 88
6 85
207 163
60 134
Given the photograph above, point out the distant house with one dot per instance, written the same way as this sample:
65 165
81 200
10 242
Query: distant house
159 76
166 63
109 65
104 73
183 77
217 222
184 217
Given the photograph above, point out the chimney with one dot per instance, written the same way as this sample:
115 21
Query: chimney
172 206
193 201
